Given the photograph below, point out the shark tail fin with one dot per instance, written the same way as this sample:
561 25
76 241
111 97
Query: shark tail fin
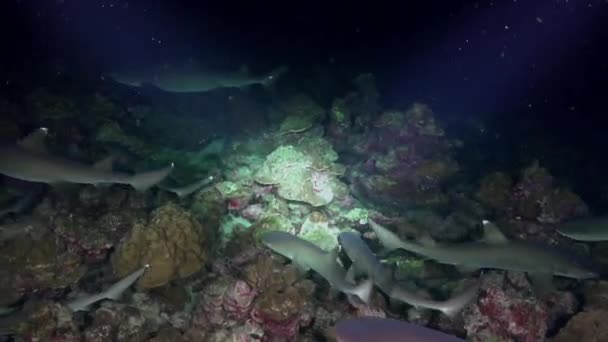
364 290
145 180
453 306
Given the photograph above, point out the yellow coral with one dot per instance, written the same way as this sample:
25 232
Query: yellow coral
173 243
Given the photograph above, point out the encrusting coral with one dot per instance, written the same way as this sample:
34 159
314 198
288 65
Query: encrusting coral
173 243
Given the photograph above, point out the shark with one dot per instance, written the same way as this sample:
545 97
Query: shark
308 256
364 261
364 329
540 262
113 292
183 191
188 80
590 229
28 160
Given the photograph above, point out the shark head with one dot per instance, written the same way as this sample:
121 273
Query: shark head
281 242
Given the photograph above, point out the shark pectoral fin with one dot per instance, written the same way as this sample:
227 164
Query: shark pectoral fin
302 270
492 234
542 283
105 164
34 142
350 274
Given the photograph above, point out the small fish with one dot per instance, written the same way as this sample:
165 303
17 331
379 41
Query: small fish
587 229
308 256
188 189
364 259
113 292
367 329
539 261
29 161
185 80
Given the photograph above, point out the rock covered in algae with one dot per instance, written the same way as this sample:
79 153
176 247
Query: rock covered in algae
47 321
298 176
588 326
302 113
173 243
316 229
40 263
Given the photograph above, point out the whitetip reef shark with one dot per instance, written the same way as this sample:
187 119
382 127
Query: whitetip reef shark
29 161
364 261
365 329
113 292
591 229
183 191
188 80
308 256
540 262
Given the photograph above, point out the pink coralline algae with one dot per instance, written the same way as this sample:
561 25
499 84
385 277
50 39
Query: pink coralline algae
253 212
239 299
284 330
506 315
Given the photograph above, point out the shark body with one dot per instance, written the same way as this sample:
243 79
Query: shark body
364 329
183 191
113 292
365 261
496 252
587 229
184 80
308 256
29 162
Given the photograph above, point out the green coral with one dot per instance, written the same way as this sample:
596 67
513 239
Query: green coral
273 222
230 225
228 189
407 268
292 171
317 230
301 114
359 215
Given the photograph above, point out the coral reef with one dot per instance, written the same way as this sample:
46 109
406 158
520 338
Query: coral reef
40 263
298 176
173 243
408 160
301 112
48 321
116 322
506 310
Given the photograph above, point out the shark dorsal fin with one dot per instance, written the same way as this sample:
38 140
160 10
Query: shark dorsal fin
105 164
34 142
492 234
